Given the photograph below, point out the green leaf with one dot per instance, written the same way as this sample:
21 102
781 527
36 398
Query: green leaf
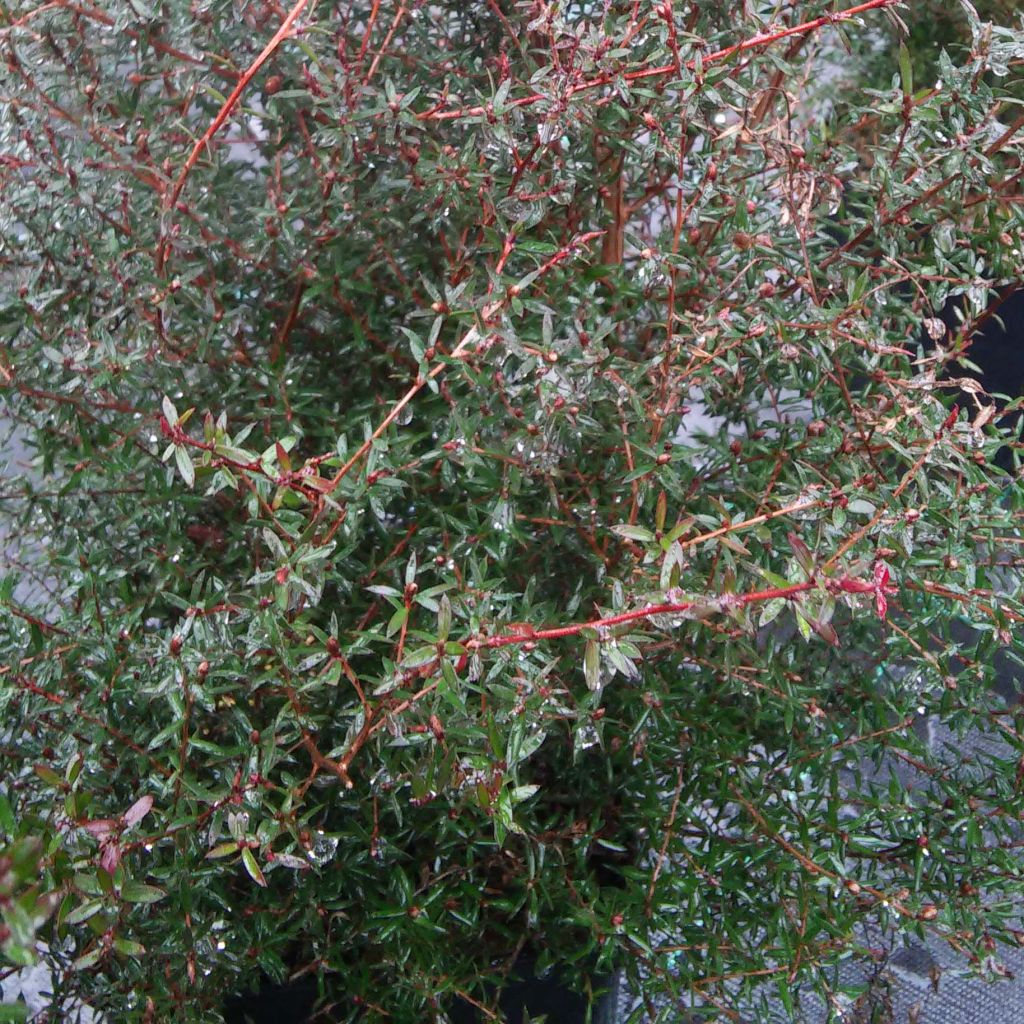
48 775
733 544
170 413
634 533
7 823
537 454
223 850
444 618
802 623
129 947
252 867
677 531
592 665
236 455
906 71
84 912
858 286
139 892
88 959
770 611
184 463
419 657
785 996
504 816
397 620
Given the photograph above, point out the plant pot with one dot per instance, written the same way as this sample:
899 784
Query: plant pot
549 996
273 1004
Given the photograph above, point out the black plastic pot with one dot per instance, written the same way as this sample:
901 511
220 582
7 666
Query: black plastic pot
528 997
996 348
273 1004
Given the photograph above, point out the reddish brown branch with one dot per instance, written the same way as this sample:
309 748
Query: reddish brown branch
527 634
762 39
222 115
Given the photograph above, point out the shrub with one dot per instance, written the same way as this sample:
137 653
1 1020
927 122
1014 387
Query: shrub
369 614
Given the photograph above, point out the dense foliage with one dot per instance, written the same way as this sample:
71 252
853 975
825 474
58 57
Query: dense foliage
373 611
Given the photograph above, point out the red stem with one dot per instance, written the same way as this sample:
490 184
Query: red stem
527 635
717 56
222 115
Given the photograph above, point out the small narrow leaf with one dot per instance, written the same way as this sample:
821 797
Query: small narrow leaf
826 631
771 611
906 71
89 959
6 816
253 868
139 892
288 860
129 947
803 625
48 775
733 544
677 531
223 850
634 533
419 657
397 621
592 665
184 462
444 618
802 553
84 912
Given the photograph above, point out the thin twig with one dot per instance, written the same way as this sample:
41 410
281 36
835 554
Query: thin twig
762 39
222 115
665 841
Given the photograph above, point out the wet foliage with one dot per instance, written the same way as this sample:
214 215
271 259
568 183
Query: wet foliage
374 609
